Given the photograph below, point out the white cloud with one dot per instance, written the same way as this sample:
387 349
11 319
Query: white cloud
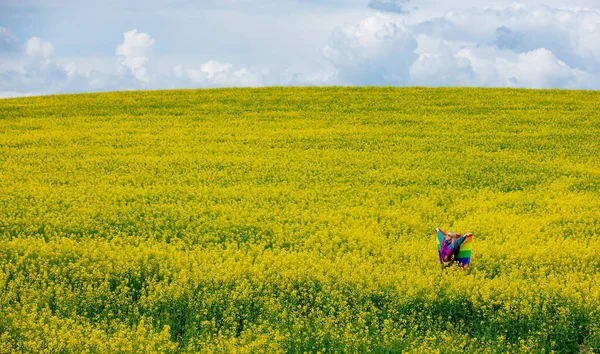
134 53
435 69
377 51
515 46
535 69
38 48
571 34
541 69
214 73
36 72
213 67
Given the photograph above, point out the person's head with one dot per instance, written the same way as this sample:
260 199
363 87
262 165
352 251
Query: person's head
450 236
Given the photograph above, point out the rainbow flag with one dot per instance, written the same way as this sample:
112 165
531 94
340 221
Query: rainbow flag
464 251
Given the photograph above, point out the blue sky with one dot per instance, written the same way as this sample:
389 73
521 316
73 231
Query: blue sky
66 46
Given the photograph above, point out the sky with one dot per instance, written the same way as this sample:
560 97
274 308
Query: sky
68 46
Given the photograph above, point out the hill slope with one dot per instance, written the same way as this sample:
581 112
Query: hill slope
299 219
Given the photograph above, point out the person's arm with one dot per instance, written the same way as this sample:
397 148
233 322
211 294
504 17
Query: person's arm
462 238
440 234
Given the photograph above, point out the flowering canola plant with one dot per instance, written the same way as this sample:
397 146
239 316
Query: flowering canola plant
299 220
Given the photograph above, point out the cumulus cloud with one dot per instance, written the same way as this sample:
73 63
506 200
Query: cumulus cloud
377 51
38 48
541 69
437 69
134 53
572 35
514 46
396 6
37 71
535 69
213 68
214 73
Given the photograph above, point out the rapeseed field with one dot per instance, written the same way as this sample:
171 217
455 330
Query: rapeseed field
292 220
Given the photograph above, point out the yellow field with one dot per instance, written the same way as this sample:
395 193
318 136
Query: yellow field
299 220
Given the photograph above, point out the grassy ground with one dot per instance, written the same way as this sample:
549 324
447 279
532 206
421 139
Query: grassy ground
299 219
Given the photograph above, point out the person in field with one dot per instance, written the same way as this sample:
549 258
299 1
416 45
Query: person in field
449 248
